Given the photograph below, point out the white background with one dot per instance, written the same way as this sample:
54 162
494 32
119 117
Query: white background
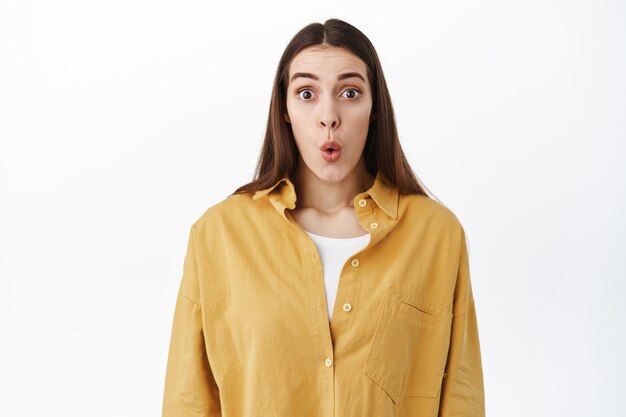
121 122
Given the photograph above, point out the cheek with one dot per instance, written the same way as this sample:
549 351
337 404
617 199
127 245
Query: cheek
299 112
358 117
302 119
296 117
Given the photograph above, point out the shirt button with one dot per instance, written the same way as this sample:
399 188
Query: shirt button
362 202
328 362
355 262
347 307
374 225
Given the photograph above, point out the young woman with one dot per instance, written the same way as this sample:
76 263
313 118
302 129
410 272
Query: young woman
332 284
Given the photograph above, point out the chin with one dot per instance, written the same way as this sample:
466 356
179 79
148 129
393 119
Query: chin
333 174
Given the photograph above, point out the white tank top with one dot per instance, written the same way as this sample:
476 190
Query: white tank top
334 252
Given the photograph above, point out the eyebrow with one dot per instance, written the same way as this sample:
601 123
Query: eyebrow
340 77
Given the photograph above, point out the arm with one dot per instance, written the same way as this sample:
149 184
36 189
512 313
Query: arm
190 389
462 392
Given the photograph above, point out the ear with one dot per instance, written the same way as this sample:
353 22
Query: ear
287 118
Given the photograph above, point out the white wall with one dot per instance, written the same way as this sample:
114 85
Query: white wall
121 122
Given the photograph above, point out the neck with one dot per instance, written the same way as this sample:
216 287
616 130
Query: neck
330 196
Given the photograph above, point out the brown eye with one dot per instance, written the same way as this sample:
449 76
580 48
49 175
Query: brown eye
305 94
352 93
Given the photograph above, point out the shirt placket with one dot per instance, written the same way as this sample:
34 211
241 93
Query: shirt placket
346 305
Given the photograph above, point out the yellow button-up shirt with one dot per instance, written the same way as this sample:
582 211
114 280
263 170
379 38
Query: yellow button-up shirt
251 335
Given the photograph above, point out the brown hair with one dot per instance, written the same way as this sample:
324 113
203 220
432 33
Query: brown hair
279 155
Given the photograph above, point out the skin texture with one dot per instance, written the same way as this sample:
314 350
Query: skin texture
319 110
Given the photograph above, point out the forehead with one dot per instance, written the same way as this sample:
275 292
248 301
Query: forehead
327 60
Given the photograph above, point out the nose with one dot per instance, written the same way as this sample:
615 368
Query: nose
328 116
328 121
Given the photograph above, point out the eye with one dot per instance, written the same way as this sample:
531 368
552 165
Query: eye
307 96
354 93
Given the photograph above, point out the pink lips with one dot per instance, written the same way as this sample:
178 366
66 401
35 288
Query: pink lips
331 155
330 144
331 150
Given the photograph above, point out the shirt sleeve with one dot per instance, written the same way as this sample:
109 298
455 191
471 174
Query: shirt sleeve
190 389
462 392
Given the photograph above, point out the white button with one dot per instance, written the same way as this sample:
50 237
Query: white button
355 262
347 307
374 225
362 202
328 362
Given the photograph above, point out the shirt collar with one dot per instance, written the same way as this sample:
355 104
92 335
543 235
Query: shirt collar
385 196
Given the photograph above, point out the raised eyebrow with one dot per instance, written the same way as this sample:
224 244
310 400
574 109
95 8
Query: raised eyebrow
340 77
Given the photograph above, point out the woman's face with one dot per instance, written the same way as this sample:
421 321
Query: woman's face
329 99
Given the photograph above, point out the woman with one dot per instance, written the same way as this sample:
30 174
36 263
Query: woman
331 285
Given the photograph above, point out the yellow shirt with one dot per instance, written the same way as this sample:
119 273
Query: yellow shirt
251 335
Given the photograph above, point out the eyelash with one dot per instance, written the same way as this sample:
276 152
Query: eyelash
347 89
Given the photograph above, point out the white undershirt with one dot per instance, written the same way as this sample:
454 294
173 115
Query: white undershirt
334 252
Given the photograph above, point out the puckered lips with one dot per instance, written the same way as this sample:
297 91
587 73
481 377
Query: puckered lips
331 150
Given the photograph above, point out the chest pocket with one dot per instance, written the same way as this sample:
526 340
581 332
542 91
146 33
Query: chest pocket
408 353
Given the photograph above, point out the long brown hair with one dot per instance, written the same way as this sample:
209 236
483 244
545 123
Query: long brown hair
279 155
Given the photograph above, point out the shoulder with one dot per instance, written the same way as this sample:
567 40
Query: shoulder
432 217
224 212
424 209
